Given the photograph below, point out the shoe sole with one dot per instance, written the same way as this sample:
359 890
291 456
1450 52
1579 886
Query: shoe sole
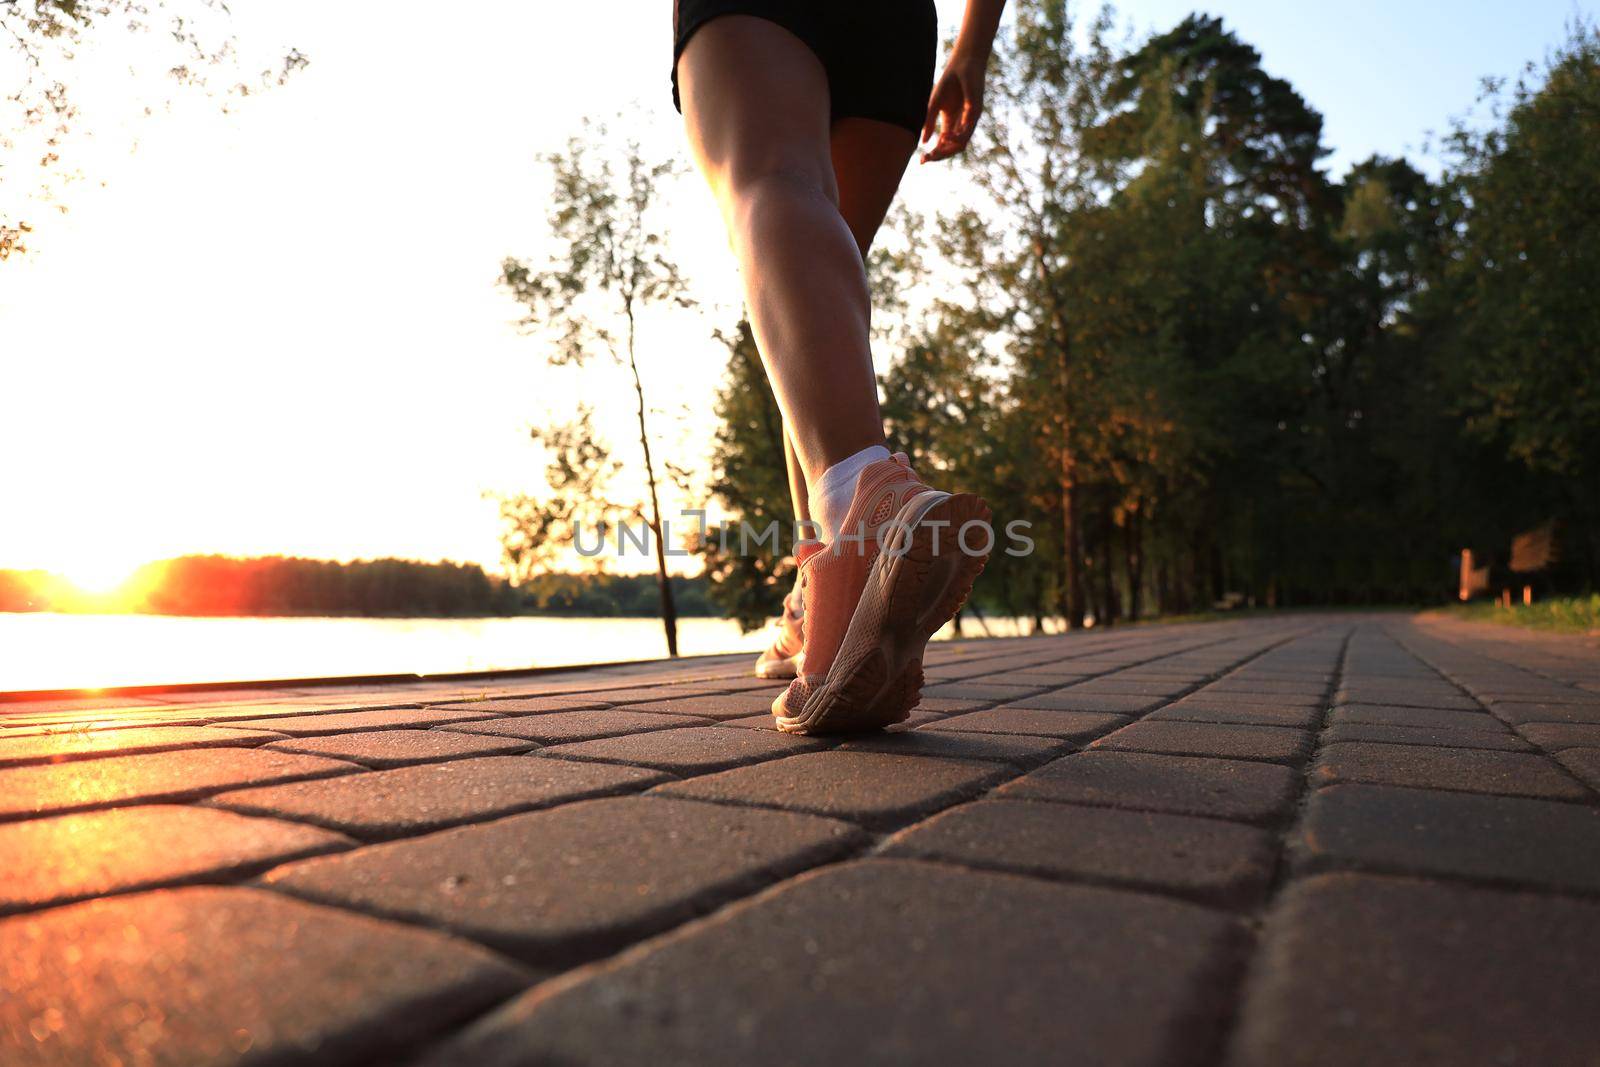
911 592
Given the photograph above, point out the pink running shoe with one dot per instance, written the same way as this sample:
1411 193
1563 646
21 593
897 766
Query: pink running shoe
896 573
782 658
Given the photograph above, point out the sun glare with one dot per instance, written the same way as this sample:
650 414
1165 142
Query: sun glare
98 578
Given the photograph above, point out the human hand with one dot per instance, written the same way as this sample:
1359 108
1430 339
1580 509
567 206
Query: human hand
955 105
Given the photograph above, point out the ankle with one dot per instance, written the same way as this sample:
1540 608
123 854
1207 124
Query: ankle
832 493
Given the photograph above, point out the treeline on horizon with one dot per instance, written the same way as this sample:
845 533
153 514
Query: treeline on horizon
1202 366
278 585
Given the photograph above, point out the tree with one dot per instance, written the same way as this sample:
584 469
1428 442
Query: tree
749 572
609 267
1522 285
1044 94
537 529
187 45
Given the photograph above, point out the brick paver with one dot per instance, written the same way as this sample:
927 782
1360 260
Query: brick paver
1074 726
695 750
560 727
413 800
644 864
1184 785
51 788
212 975
1417 831
1212 861
384 749
86 744
873 789
70 857
1465 769
1293 839
1357 969
892 962
1228 741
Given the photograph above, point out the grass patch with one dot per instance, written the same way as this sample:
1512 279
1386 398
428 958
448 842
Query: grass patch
1571 615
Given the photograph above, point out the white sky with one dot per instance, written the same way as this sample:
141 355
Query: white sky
277 331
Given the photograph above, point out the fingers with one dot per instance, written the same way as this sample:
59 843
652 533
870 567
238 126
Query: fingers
955 119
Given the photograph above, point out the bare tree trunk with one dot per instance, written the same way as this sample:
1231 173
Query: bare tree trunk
1108 585
1073 555
1133 560
669 610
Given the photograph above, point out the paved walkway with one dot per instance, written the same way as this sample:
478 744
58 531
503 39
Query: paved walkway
1305 839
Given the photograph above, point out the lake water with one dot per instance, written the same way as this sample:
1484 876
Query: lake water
50 651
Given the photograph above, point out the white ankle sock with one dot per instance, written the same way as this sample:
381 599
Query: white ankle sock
831 496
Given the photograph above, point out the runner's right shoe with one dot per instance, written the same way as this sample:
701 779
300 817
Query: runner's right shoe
897 572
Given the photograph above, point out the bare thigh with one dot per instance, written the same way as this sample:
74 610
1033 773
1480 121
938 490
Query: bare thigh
869 159
755 104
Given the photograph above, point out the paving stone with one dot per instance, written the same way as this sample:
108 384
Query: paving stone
353 721
948 705
1075 726
61 723
1184 785
1553 736
1409 698
1498 839
986 692
411 800
696 750
1572 713
720 706
1228 741
527 705
1420 717
63 858
1267 689
1435 736
1018 750
560 887
1132 687
1223 700
82 744
384 749
560 727
1213 862
752 722
79 784
1074 700
1382 971
641 693
892 962
1585 763
1552 695
1465 770
1241 714
212 975
870 788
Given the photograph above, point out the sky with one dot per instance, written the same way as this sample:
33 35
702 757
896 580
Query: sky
276 330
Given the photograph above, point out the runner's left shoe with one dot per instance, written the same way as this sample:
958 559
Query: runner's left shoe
782 658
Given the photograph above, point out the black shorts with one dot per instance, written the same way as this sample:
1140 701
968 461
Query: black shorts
878 54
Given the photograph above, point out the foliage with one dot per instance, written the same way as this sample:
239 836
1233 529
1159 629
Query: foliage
537 530
185 45
750 479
